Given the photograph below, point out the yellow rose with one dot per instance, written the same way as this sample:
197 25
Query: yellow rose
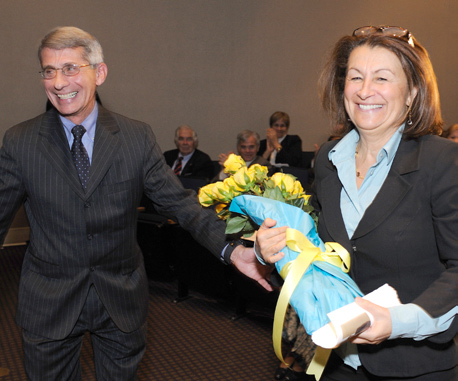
205 195
306 197
284 181
258 172
243 179
220 207
230 182
297 188
233 163
221 192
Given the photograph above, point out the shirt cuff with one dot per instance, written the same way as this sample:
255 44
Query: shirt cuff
227 251
259 258
412 321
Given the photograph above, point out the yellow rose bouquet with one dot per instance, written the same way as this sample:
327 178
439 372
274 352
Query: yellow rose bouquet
255 181
315 273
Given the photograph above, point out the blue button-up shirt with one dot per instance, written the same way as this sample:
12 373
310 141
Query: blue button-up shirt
89 124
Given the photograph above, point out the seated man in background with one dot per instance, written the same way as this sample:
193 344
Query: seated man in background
279 148
187 160
247 148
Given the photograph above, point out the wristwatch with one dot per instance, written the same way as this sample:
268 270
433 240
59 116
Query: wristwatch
278 149
227 251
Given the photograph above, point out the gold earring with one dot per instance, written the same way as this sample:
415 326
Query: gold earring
409 117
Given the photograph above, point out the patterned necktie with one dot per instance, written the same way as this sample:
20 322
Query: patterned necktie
177 168
79 154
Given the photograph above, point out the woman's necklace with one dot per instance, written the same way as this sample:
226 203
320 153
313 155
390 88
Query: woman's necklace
358 173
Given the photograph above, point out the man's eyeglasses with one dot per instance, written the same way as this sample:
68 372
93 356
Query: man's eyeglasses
67 70
393 31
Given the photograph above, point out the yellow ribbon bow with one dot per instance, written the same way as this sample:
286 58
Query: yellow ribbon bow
292 273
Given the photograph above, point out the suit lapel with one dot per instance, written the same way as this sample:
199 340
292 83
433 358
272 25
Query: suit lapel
106 145
393 190
53 144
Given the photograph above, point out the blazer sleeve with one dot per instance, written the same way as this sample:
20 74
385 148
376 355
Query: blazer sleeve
291 152
442 295
262 147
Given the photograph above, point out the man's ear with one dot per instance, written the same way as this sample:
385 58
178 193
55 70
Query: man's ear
101 72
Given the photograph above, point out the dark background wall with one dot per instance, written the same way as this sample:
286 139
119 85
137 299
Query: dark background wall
218 65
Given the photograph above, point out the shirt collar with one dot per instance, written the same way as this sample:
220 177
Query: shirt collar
89 123
187 157
346 147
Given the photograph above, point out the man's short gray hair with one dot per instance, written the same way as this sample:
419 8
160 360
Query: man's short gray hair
246 134
71 37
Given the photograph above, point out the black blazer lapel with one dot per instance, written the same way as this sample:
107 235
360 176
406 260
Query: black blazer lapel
330 196
393 190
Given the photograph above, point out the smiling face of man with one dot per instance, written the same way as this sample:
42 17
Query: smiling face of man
73 96
248 149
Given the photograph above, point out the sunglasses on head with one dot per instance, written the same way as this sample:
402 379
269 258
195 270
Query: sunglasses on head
393 31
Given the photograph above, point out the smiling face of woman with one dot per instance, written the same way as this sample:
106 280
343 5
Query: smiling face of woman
280 128
376 92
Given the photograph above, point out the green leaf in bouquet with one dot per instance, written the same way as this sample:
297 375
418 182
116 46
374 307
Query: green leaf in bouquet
235 224
269 184
239 223
274 194
297 202
309 209
256 190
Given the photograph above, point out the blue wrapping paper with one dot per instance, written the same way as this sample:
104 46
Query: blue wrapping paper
324 287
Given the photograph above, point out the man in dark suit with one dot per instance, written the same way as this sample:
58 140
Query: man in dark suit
187 160
247 148
279 148
83 269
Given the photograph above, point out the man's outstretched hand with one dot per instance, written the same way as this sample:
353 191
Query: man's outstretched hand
245 261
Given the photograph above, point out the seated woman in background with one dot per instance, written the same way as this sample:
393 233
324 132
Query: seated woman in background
279 147
388 193
452 133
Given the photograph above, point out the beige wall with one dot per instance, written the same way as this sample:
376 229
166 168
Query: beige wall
218 65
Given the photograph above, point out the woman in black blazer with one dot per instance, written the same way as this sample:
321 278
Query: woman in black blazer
388 192
279 147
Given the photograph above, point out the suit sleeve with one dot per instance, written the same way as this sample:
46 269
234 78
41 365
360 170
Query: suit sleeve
12 190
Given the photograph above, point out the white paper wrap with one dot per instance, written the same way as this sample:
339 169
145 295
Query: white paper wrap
351 319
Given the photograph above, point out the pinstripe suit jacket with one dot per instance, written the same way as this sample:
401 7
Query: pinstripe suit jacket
78 237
